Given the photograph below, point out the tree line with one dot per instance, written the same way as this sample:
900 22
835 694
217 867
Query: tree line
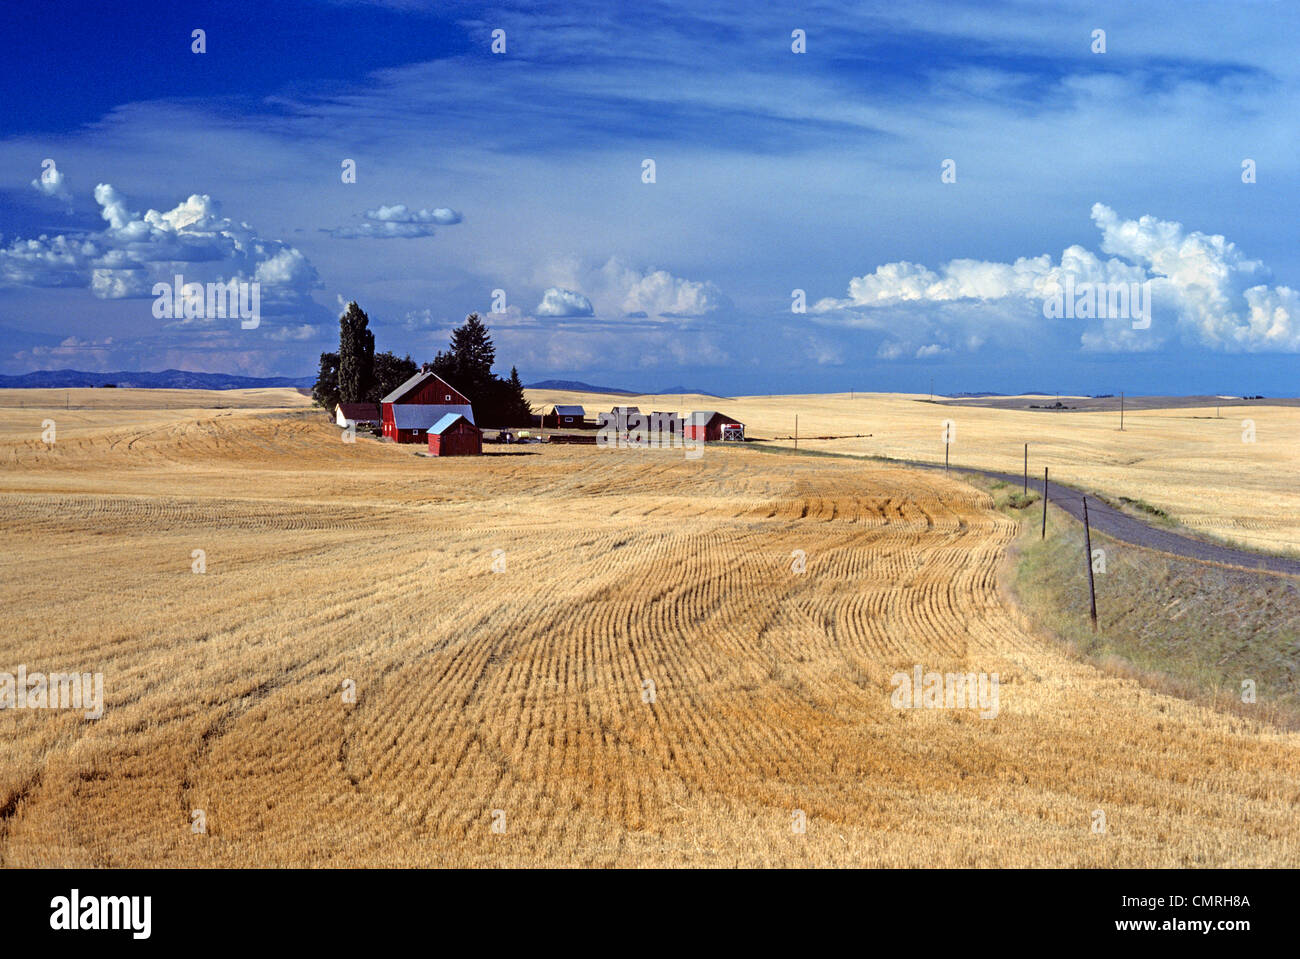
357 374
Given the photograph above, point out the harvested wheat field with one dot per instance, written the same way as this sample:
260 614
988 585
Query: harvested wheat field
1230 476
524 690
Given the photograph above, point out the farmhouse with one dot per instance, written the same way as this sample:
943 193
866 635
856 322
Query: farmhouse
346 414
454 435
415 406
712 425
560 416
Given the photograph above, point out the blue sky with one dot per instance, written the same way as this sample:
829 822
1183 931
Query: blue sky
775 171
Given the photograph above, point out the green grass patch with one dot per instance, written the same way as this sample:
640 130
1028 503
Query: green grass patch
1142 506
1188 628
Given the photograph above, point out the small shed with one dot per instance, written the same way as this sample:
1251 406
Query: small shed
454 435
710 425
347 414
559 417
622 414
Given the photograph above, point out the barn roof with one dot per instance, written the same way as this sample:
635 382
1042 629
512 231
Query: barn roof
411 384
360 411
702 417
569 410
422 416
447 422
624 410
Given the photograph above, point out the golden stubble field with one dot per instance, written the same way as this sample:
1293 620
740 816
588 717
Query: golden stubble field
1188 462
524 690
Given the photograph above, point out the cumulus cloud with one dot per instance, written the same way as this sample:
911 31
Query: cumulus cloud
1205 291
617 290
133 252
52 182
560 302
84 354
397 222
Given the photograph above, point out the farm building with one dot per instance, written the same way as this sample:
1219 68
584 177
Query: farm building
561 416
410 410
356 413
454 435
621 413
662 422
712 425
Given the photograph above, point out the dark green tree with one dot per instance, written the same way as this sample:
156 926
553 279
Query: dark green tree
325 392
467 365
390 372
517 410
356 355
472 350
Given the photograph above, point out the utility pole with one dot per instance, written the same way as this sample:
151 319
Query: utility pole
1121 411
932 389
946 446
796 431
1026 469
1044 536
1087 549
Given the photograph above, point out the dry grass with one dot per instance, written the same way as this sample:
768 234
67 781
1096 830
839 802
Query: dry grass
522 690
1185 461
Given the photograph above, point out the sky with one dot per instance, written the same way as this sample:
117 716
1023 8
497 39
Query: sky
740 198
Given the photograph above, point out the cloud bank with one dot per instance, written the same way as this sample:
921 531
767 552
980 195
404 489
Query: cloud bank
193 239
1206 292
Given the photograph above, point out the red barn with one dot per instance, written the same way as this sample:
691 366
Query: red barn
453 435
410 410
711 425
564 417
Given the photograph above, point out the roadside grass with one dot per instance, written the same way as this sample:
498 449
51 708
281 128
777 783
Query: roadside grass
1191 629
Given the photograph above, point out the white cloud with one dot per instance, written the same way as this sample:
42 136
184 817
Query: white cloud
559 302
133 252
617 290
1205 291
52 182
397 222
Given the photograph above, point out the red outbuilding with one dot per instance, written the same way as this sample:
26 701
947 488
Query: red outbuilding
453 435
414 407
711 425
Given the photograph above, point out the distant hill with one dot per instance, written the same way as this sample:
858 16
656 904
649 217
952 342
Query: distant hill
163 380
575 386
685 390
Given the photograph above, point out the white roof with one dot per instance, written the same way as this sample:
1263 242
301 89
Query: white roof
447 421
421 416
570 411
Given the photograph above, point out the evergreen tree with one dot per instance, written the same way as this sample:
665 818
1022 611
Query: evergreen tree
325 392
356 355
390 372
467 365
518 411
472 350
